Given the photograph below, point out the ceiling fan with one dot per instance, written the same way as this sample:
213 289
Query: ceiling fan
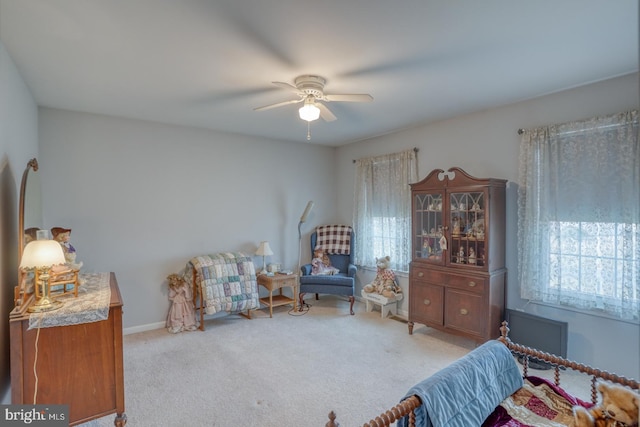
310 90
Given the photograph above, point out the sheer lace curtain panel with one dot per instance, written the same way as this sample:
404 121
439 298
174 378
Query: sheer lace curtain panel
579 215
382 208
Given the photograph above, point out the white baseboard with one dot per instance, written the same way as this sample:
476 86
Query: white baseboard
159 325
163 324
143 328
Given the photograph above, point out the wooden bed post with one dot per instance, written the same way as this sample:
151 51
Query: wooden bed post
332 420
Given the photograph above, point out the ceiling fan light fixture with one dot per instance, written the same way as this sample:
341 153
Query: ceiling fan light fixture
309 112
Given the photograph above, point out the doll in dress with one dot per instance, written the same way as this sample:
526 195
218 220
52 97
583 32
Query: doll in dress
181 315
62 236
321 264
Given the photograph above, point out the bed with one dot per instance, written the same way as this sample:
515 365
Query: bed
223 282
487 388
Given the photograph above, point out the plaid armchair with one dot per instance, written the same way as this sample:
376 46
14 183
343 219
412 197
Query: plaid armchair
342 283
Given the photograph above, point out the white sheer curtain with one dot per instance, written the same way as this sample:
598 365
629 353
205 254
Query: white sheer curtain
579 215
382 208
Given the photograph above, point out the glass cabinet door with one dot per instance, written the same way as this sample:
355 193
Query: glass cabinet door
428 227
467 225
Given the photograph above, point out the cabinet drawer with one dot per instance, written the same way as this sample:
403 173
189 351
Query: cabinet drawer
425 274
465 312
427 302
468 283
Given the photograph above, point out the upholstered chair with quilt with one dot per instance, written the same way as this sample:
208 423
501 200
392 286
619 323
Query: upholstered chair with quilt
336 241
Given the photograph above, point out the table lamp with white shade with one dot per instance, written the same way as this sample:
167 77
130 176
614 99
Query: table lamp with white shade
264 250
41 255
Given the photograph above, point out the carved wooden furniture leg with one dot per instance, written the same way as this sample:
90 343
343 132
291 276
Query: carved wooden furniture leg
301 298
197 297
121 420
410 325
351 301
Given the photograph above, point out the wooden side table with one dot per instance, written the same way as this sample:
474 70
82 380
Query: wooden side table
278 281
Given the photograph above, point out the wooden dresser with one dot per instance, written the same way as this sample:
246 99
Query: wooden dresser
78 365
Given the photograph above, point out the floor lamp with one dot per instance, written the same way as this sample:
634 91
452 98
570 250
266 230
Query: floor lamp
303 219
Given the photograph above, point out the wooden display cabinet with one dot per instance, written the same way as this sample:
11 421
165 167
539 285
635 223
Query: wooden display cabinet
457 273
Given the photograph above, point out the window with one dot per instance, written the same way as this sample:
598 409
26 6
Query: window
382 214
579 215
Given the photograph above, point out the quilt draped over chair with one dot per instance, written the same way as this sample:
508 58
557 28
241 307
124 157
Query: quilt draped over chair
224 281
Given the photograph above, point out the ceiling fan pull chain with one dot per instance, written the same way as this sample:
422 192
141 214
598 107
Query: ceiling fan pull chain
308 131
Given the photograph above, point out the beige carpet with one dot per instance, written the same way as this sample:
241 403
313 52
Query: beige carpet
289 370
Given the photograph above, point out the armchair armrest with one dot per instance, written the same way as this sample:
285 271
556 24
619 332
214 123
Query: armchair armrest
305 269
352 270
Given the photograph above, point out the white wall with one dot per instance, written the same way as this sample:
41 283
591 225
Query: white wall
18 144
486 144
143 198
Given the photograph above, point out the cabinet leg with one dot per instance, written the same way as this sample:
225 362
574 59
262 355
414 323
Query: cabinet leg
121 420
410 325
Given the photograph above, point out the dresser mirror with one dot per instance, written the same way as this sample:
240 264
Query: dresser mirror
29 217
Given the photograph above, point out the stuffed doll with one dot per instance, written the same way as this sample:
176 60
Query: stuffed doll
62 236
321 264
181 315
619 407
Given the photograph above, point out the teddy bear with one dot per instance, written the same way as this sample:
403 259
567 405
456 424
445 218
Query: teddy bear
385 282
619 407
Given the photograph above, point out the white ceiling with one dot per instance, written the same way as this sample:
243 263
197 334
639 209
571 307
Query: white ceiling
209 63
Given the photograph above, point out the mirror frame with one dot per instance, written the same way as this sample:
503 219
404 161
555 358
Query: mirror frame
20 294
32 164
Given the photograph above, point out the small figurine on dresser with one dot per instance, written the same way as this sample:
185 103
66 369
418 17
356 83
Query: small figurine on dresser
62 236
30 234
182 316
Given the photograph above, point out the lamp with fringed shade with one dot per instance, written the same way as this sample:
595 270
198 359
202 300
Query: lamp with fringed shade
41 255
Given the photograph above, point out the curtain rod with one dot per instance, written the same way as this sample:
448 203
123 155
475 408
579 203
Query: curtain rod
415 150
603 127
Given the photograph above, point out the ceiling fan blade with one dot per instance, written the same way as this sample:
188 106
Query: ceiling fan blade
277 104
349 97
325 113
287 86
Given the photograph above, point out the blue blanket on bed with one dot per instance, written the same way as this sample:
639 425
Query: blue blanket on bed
464 393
